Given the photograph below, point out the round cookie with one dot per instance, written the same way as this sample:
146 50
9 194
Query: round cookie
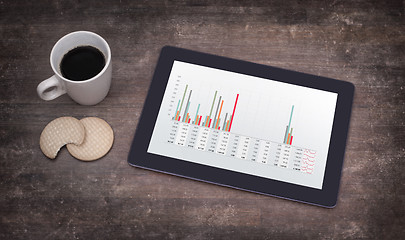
59 132
98 141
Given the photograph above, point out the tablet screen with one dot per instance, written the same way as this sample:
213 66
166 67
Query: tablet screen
245 124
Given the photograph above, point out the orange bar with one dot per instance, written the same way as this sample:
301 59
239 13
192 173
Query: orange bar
227 125
206 121
177 114
288 138
187 118
220 109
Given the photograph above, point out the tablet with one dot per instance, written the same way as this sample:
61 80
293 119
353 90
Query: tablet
244 125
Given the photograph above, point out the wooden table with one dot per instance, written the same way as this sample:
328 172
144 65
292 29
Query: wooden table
362 42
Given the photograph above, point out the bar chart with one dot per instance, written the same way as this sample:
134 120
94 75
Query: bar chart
288 137
211 131
210 120
244 123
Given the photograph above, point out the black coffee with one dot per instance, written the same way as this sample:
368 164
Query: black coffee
82 63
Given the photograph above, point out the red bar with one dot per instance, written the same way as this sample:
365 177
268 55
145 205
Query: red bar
209 124
199 121
189 120
219 128
291 140
233 113
179 118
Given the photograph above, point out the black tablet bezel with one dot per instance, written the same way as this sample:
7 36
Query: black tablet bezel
326 197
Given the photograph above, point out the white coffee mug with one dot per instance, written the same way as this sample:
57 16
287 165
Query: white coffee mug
86 92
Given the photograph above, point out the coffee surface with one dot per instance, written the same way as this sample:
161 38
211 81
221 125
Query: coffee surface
82 63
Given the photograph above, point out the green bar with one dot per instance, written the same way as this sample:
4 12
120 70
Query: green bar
230 117
185 113
188 104
177 108
212 106
289 123
198 108
215 118
185 90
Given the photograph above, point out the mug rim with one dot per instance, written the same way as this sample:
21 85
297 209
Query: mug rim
108 60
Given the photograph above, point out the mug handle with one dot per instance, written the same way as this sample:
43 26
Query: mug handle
51 88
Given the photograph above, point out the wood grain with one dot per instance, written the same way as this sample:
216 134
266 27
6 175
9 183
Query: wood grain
362 42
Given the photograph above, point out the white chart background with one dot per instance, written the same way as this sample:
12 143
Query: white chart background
263 111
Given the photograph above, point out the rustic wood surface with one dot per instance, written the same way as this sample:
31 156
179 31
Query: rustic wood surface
362 42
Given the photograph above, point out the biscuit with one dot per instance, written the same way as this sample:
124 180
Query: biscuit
59 132
98 141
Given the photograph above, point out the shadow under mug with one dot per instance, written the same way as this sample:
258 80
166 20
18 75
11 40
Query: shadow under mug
86 92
